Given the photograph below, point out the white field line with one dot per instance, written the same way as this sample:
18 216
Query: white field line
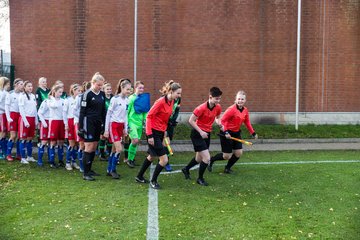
152 231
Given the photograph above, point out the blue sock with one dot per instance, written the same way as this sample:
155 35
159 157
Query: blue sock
41 154
52 155
29 148
80 156
3 146
10 145
110 160
22 145
74 154
69 154
61 153
18 151
114 162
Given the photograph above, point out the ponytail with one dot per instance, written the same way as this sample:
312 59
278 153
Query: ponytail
170 86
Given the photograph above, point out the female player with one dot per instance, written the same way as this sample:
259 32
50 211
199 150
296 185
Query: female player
12 115
104 143
116 123
91 121
156 124
233 118
57 125
42 92
4 88
71 151
27 122
44 117
202 120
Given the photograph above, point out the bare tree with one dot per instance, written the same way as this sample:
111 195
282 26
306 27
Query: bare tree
4 11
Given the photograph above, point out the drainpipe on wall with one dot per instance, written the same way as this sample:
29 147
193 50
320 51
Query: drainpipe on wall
135 41
298 66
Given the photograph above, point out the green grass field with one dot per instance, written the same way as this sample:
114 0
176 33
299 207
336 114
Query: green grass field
263 201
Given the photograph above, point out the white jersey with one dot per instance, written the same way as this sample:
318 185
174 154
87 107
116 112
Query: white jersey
11 103
3 94
117 111
70 104
27 107
57 109
44 111
76 109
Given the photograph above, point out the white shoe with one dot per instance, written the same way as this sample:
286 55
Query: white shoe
74 165
30 159
23 161
68 167
81 170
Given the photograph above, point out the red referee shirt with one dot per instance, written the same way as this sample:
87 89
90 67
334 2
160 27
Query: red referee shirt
159 115
206 116
233 118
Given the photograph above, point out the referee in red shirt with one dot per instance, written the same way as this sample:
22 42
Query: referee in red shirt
233 118
156 124
202 120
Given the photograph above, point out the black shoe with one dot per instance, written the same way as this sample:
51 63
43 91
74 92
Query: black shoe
186 173
115 175
141 180
202 182
88 178
210 166
53 165
93 173
108 174
228 171
61 164
131 164
154 185
103 158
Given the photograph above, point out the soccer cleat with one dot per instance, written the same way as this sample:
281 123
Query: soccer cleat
81 170
131 164
202 182
68 167
74 165
88 178
30 159
18 157
40 163
23 161
115 175
102 157
154 185
9 158
141 180
228 171
53 165
2 157
61 164
168 167
186 173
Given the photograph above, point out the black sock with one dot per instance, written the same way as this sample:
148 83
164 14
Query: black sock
202 169
217 157
126 150
144 167
86 159
192 163
231 161
156 173
91 159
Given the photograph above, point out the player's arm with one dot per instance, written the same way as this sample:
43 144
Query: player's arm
192 122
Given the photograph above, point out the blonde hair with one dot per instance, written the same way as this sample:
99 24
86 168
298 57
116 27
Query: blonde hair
86 86
106 85
170 86
41 79
17 80
138 83
54 89
241 92
122 84
3 82
73 87
97 77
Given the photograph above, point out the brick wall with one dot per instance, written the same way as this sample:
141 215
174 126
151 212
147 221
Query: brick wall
245 44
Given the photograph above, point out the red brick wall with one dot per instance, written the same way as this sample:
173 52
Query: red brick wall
249 45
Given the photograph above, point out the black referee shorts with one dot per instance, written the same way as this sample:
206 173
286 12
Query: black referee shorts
93 129
158 149
228 145
199 143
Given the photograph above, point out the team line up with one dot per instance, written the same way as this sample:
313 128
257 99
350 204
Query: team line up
91 118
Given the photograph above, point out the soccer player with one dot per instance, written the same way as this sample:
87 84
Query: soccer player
103 142
233 118
42 92
116 123
136 118
156 124
71 152
202 120
27 122
4 88
12 116
91 122
44 117
57 125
